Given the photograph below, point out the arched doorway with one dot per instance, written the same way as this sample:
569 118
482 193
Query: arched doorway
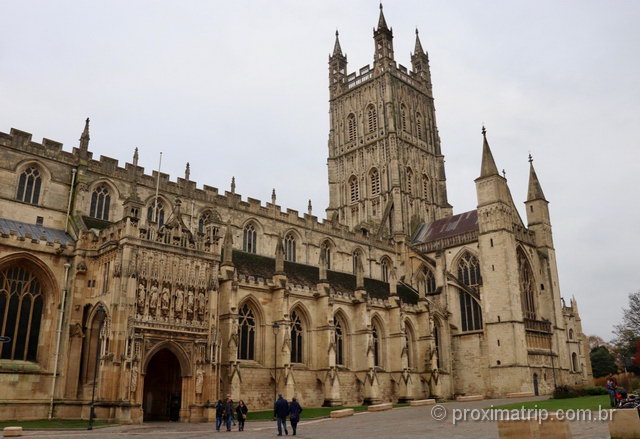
162 387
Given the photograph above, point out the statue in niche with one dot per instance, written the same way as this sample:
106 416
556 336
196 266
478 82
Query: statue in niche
153 299
190 300
164 300
142 293
201 304
179 303
199 381
134 377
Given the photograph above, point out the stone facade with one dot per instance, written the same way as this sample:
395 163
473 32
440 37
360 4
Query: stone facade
158 307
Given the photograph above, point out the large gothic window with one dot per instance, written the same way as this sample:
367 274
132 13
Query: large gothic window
249 239
290 247
339 342
326 249
155 213
527 286
29 185
353 189
351 127
246 334
100 203
21 303
469 275
374 176
297 336
372 118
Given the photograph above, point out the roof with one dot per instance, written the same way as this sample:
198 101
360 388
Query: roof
33 231
446 227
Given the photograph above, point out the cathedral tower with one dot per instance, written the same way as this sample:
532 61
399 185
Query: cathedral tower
386 170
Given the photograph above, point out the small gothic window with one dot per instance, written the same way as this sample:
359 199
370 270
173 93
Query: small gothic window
527 286
100 203
436 340
376 346
570 334
21 302
384 268
351 127
354 190
419 126
574 362
339 342
29 185
357 260
246 334
403 117
425 187
409 180
155 212
205 219
375 181
428 281
372 118
290 247
409 345
326 248
297 334
249 239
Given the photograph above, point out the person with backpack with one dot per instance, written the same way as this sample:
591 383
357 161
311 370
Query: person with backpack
294 414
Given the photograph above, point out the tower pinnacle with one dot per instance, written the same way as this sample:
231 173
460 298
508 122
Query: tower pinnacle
382 23
84 138
535 189
488 163
337 50
418 47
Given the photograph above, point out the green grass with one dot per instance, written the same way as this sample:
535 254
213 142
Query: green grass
582 402
58 424
309 413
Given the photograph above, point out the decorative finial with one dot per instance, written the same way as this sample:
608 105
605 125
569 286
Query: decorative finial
273 196
484 130
309 208
135 157
84 138
504 173
530 158
187 172
416 30
233 185
337 33
381 6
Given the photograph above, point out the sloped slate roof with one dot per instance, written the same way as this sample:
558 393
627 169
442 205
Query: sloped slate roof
33 231
446 227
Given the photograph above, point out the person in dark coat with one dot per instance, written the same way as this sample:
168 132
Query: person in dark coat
280 412
219 414
294 414
241 412
228 412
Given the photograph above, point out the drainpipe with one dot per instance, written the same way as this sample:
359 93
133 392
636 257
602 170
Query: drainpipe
73 180
59 336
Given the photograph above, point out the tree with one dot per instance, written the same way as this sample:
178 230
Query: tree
602 362
628 335
594 341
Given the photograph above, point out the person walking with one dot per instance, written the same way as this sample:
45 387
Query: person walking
294 414
228 412
280 412
219 414
611 385
241 412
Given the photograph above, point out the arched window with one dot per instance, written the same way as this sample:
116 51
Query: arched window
403 117
353 188
297 335
409 180
409 344
351 127
372 118
249 239
374 176
246 333
527 286
570 334
574 362
426 281
339 342
155 212
290 247
426 191
204 219
469 275
29 185
436 341
21 303
375 338
326 249
100 203
385 266
419 126
357 260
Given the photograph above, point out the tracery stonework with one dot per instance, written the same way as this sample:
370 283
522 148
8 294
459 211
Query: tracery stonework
207 290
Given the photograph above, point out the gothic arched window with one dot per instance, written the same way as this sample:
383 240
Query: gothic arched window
374 176
246 333
426 281
21 303
419 126
29 185
385 266
469 275
469 271
403 117
326 249
409 180
436 342
351 127
249 239
155 212
297 336
339 342
353 189
100 203
527 286
426 192
357 261
372 118
204 219
570 334
290 247
409 343
574 362
375 338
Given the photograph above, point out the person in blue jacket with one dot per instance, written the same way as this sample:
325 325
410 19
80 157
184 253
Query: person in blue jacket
280 412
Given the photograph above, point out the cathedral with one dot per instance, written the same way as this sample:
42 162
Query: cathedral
139 296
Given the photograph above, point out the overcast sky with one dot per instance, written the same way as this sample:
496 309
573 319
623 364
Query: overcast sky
240 88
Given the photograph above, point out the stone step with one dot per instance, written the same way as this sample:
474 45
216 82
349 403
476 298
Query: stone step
418 402
12 432
341 413
520 394
380 407
470 398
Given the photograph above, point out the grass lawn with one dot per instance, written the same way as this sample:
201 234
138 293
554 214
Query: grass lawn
582 402
58 424
309 413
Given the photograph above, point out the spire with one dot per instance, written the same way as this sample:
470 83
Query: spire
135 157
488 163
273 196
337 50
418 49
309 208
535 190
187 172
227 246
84 138
382 23
233 185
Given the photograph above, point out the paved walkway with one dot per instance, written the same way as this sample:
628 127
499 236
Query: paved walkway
400 423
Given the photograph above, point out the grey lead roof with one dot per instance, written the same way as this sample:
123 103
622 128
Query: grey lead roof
33 231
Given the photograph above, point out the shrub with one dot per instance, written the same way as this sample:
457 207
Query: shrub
595 390
562 392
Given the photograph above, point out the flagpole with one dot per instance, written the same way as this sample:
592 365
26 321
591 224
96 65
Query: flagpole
155 209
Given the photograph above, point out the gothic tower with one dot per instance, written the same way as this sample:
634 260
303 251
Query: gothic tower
386 170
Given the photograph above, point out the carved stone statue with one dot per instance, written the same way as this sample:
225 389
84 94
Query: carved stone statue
153 299
199 381
190 299
179 303
142 293
201 303
165 299
134 377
